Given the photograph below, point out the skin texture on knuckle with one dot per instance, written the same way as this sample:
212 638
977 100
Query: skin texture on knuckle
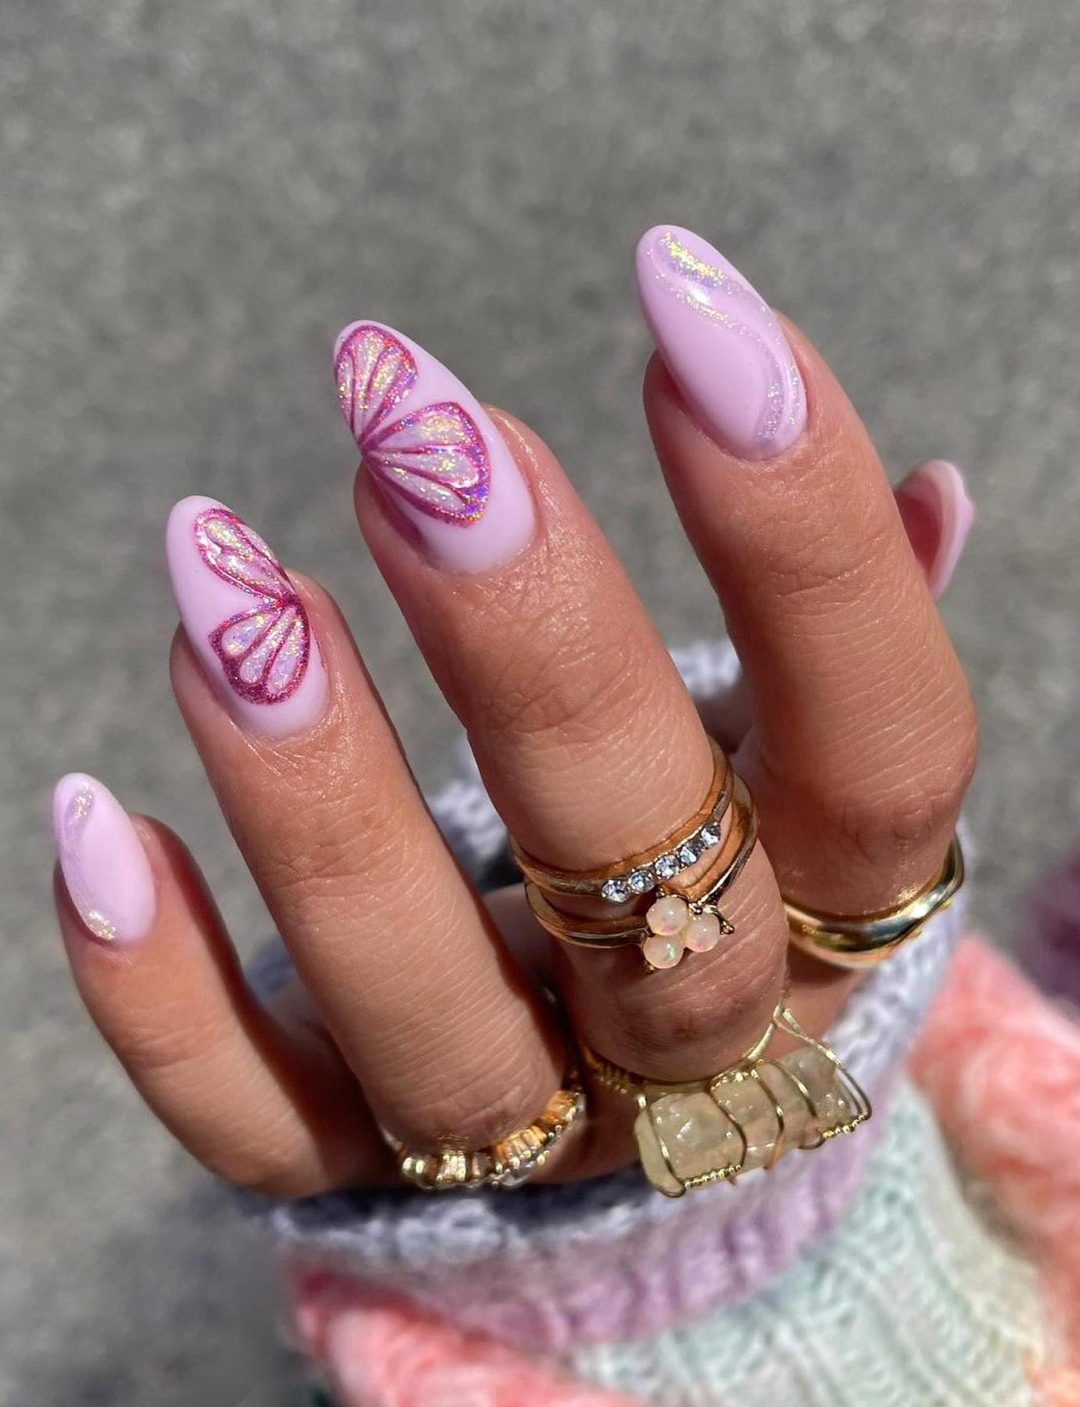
171 1042
475 1109
883 814
346 848
570 662
276 1163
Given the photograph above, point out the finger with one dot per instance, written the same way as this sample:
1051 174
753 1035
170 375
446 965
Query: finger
393 945
937 515
585 736
863 736
161 982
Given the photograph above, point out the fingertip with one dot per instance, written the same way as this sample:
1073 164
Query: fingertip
938 514
105 868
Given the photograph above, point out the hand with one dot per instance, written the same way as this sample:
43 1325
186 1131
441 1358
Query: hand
418 1007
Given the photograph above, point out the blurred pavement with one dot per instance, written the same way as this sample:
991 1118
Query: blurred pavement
195 197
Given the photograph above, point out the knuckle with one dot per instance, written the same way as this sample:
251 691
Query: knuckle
888 817
544 688
710 1021
268 1172
894 821
347 842
170 1043
276 1158
558 671
810 556
474 1113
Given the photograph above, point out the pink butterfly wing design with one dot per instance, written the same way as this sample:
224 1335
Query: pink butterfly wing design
434 457
264 651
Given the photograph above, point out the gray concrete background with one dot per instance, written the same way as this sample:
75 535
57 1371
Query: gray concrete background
196 196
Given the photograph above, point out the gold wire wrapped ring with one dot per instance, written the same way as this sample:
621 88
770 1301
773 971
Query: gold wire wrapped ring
698 1132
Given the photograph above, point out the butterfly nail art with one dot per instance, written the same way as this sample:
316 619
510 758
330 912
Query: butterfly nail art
264 651
434 457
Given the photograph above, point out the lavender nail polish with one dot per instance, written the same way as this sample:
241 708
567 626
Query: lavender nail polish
245 620
431 447
938 514
104 864
721 343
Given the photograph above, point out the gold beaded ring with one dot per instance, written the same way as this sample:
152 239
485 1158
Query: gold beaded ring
871 938
505 1164
698 1132
683 918
640 874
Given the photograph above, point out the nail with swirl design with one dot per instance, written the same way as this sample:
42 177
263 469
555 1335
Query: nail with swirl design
432 449
722 344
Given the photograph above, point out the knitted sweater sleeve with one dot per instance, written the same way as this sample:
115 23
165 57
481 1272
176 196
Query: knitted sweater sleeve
545 1268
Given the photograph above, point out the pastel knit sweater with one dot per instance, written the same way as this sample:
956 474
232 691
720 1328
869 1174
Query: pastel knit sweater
861 1273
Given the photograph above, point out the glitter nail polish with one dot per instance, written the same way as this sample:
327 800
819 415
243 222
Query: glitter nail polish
104 864
722 344
245 619
431 447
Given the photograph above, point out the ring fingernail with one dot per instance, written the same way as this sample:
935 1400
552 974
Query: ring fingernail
722 344
938 515
104 864
245 619
432 449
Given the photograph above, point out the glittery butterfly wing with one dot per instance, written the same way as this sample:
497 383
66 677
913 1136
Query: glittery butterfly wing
264 651
435 456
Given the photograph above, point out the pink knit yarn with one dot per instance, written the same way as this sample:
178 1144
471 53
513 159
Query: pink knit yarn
380 1352
1002 1068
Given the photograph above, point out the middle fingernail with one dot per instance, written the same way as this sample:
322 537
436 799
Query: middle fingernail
432 449
245 620
722 344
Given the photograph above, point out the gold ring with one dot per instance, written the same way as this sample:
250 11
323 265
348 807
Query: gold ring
684 917
507 1163
697 1132
870 938
640 874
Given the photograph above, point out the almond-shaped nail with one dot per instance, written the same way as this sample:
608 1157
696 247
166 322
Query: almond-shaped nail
722 344
245 620
104 864
938 514
432 449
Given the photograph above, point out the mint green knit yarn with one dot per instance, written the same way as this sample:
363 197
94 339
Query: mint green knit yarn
911 1303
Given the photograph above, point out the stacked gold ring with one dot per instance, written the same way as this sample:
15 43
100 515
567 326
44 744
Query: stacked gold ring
629 879
686 914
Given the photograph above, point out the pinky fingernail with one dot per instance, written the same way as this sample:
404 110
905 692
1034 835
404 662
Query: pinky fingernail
937 515
104 864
